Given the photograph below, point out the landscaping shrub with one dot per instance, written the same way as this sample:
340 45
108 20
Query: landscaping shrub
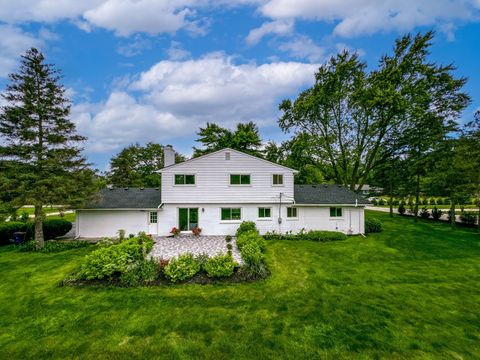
24 217
468 218
373 225
436 213
316 235
202 259
221 265
53 228
8 228
395 202
228 238
401 209
141 272
424 214
246 226
374 202
255 266
381 202
54 246
250 236
229 246
432 201
424 201
115 259
440 201
182 268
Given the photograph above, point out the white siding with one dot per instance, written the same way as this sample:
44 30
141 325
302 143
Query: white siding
99 223
309 218
212 180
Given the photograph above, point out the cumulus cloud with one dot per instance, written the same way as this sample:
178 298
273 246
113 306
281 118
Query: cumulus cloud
278 27
303 47
174 98
13 43
177 52
357 17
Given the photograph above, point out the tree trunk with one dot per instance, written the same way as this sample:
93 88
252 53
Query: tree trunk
417 197
391 205
39 241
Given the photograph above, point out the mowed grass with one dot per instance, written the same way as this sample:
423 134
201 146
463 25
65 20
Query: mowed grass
410 292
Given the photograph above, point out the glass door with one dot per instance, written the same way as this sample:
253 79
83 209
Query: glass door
187 218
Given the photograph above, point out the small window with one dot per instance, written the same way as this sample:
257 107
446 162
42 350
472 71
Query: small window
264 213
181 179
227 155
239 179
292 212
335 212
231 214
277 179
153 217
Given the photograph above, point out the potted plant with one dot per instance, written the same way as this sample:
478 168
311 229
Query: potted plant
196 231
175 231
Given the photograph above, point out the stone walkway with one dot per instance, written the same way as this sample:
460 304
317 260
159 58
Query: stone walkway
168 247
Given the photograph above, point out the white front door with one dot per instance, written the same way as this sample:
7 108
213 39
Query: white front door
153 222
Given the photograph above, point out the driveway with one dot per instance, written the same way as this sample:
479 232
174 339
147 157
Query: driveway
168 247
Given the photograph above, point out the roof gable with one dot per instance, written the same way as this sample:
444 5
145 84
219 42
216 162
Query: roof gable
203 157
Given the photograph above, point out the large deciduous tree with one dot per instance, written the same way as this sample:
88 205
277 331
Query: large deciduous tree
358 119
137 166
244 138
41 150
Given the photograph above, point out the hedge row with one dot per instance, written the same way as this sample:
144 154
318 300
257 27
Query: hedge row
312 235
52 228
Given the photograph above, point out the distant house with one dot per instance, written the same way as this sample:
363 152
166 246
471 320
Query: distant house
368 190
216 192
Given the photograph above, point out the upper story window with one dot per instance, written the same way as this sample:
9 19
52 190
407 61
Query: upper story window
335 212
183 179
277 179
292 212
239 179
264 213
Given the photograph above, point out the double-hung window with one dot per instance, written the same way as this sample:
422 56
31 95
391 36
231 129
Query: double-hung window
264 213
335 212
239 179
183 179
153 217
231 214
277 179
292 212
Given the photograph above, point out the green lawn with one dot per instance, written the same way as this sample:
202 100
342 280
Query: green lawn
69 217
412 291
31 210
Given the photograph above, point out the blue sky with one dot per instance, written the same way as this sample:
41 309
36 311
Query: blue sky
153 70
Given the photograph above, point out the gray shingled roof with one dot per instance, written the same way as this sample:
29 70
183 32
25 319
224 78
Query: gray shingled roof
126 198
326 194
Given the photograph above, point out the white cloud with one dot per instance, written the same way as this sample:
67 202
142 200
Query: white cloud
177 52
13 43
302 47
135 47
357 17
279 27
174 98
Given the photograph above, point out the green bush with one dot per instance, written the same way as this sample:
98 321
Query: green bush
440 201
432 201
424 214
436 213
468 218
54 246
182 268
141 272
251 253
246 226
228 238
250 236
316 235
401 209
53 228
108 261
8 228
221 265
373 225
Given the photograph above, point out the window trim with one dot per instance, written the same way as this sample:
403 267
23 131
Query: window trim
265 217
150 213
296 213
283 180
240 174
231 221
185 179
336 216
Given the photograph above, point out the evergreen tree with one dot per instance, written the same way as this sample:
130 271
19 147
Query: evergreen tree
41 150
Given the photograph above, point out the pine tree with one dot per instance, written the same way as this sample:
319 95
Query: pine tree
40 147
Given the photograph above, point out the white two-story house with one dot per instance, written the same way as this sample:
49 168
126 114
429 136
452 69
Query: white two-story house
215 193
